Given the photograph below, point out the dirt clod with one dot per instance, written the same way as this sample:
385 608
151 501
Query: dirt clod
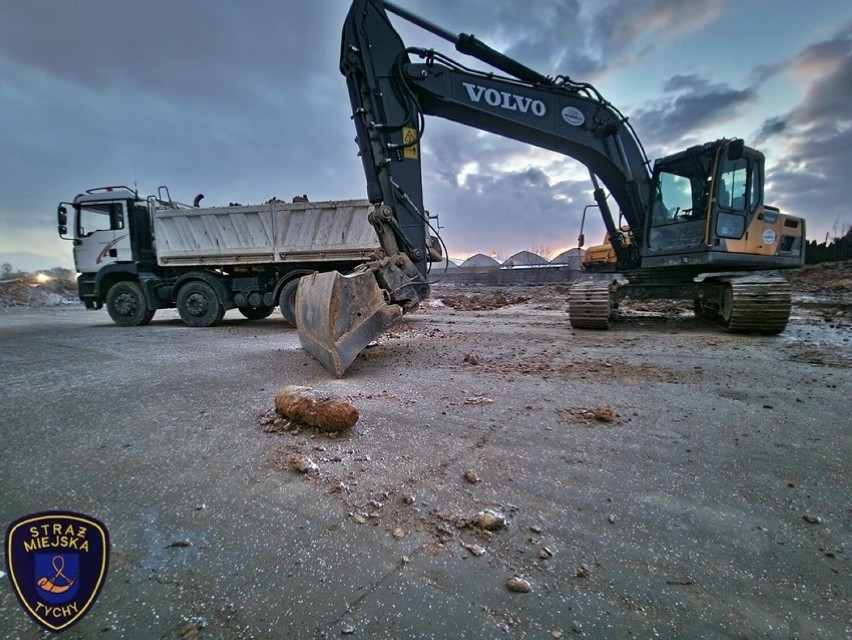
470 476
603 414
489 520
518 585
303 464
583 571
812 519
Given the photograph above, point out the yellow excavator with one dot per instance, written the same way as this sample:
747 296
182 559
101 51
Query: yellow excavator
697 226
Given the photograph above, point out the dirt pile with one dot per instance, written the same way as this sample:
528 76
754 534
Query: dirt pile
481 299
29 292
828 278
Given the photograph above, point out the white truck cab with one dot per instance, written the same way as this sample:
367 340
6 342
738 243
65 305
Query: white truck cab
100 228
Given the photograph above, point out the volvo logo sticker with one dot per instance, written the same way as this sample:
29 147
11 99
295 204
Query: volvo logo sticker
505 100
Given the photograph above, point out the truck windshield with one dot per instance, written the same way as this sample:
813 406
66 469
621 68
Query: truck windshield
100 216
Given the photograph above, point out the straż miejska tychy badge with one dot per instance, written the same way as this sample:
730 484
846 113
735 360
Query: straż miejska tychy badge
57 562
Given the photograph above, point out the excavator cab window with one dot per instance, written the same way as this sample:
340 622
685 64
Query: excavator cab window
678 210
674 200
737 196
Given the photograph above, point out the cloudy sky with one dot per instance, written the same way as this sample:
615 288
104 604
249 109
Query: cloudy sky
243 101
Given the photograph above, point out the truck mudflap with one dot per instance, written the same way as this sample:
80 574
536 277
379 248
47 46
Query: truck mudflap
338 316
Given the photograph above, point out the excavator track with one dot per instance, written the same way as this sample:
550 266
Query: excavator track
751 304
590 305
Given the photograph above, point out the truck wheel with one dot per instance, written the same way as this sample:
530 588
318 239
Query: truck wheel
287 301
127 306
256 313
198 305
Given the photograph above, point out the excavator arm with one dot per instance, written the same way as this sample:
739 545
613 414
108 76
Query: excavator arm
392 88
390 96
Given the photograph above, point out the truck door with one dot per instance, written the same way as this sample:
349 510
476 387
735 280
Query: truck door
101 235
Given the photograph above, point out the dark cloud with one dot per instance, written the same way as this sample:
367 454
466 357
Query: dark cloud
243 101
510 212
817 137
569 37
693 103
171 48
619 30
770 128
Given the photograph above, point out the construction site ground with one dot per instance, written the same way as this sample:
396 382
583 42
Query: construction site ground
661 479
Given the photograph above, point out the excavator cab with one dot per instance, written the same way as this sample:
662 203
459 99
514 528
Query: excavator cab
707 210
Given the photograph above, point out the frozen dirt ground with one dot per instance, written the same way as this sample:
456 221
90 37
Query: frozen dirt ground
680 515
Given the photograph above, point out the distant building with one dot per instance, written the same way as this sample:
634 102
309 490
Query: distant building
480 260
573 258
525 259
439 267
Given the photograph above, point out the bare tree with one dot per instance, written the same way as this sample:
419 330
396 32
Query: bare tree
542 250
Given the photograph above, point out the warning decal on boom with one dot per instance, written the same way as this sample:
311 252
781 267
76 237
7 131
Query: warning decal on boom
409 136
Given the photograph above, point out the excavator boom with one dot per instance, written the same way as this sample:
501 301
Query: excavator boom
390 97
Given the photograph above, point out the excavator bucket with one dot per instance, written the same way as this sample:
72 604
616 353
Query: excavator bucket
337 316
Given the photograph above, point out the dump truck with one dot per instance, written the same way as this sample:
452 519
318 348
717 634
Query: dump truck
698 222
136 254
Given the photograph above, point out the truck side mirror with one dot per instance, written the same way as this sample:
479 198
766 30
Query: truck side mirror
62 218
581 240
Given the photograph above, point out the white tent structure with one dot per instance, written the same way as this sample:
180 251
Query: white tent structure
480 260
573 258
525 259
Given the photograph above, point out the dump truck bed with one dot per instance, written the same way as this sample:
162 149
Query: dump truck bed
329 231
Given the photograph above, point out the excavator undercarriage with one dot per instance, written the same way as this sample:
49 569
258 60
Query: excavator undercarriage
752 303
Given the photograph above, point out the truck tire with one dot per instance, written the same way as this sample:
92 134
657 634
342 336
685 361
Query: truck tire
256 313
127 306
287 301
198 305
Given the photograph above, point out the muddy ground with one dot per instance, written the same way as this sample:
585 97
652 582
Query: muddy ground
661 479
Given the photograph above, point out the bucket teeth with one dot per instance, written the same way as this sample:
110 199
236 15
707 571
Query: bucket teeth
338 316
